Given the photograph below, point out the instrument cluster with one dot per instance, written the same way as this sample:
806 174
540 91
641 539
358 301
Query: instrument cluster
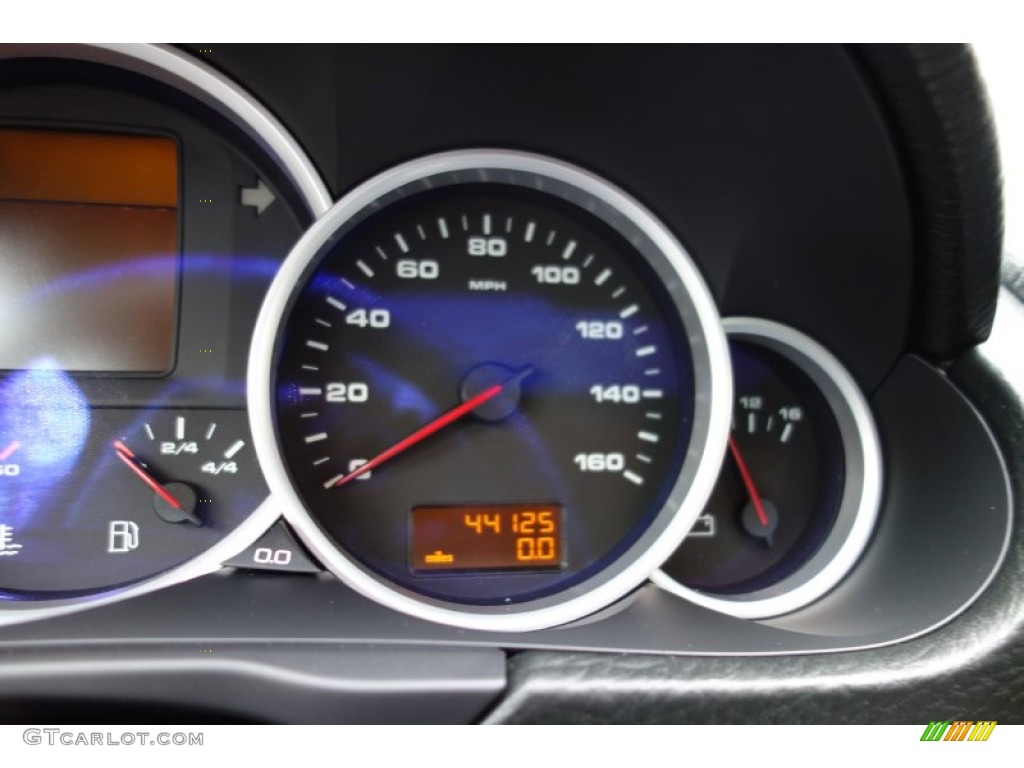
490 387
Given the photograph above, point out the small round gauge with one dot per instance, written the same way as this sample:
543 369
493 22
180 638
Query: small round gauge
486 390
127 495
798 493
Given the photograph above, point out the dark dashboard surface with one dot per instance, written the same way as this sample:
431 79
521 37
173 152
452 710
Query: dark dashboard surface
849 193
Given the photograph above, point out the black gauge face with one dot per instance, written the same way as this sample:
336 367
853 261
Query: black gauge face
799 489
119 494
780 487
428 304
484 393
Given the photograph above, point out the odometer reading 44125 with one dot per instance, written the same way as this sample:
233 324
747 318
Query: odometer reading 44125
469 333
508 537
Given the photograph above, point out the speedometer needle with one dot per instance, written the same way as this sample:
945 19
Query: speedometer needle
748 481
125 454
437 424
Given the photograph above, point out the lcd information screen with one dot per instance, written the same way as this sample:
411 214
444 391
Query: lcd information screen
510 537
88 251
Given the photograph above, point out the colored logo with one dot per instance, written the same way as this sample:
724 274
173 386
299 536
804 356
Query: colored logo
958 730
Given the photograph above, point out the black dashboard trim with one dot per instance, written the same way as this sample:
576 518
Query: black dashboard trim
935 102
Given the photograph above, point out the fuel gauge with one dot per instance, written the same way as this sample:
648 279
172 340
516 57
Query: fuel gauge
144 492
187 462
798 493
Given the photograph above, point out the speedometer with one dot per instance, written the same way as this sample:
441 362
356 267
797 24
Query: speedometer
491 390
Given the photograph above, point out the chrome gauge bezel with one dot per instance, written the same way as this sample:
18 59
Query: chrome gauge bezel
862 490
686 287
180 72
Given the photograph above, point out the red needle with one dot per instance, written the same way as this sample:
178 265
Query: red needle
7 452
440 422
748 481
124 453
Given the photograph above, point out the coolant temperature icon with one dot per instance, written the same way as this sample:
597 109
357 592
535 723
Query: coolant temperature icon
7 544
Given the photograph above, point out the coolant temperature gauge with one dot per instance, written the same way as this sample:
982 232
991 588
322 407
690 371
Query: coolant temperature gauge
799 489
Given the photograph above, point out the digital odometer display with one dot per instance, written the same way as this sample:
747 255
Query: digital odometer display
493 337
481 538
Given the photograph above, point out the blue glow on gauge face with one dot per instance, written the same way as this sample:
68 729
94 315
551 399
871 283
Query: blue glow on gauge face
45 411
44 426
501 293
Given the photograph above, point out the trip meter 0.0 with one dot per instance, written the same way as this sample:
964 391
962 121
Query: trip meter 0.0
490 389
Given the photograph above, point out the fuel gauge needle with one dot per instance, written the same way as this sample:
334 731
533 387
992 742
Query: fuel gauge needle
125 454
